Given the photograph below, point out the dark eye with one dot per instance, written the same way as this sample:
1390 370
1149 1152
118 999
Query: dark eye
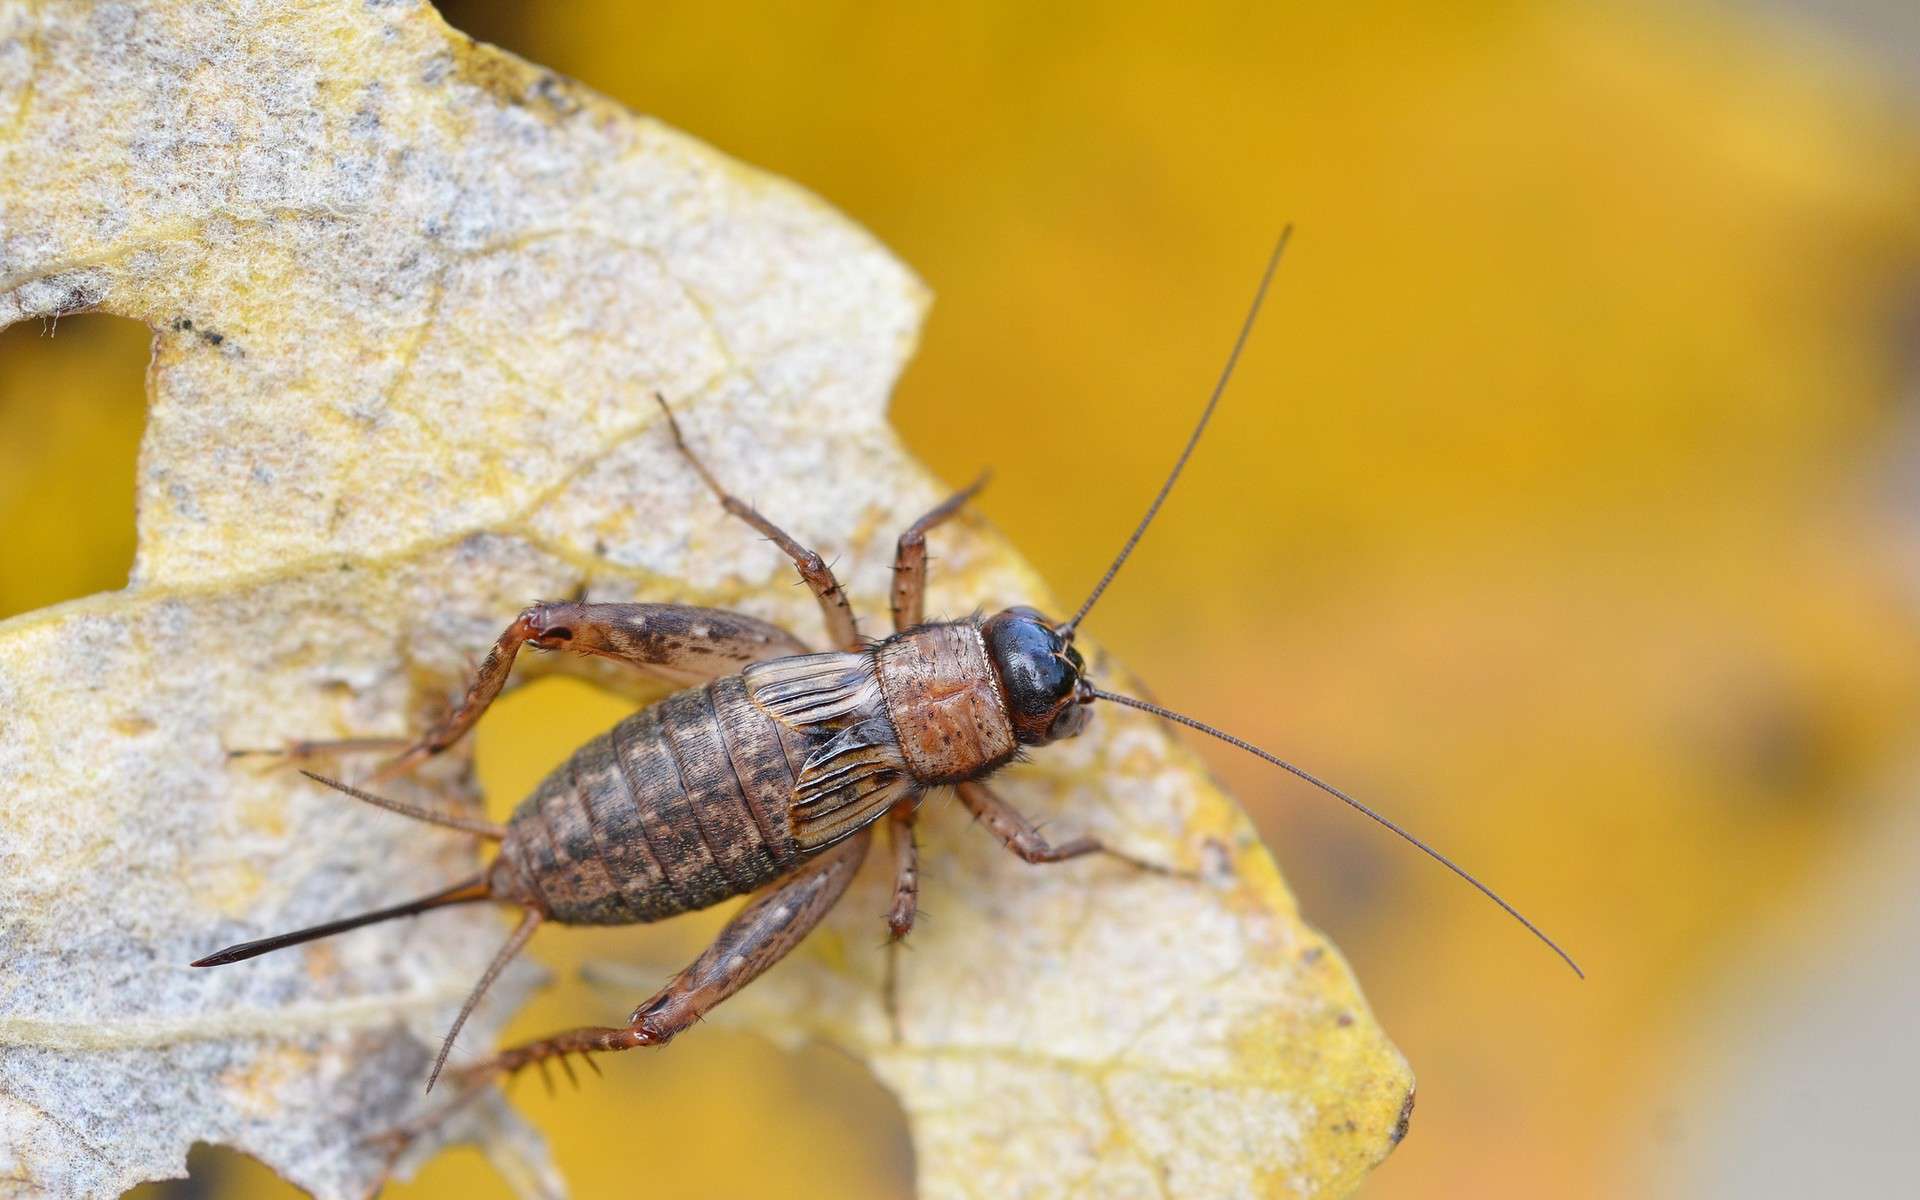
1072 719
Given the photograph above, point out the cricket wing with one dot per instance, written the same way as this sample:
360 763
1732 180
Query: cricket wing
857 772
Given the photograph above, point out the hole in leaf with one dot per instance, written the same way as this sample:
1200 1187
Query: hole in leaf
502 25
73 405
533 728
219 1171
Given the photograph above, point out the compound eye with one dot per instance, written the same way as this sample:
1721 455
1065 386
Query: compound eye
1072 719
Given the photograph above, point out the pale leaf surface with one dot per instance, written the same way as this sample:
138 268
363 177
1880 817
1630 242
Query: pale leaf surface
411 300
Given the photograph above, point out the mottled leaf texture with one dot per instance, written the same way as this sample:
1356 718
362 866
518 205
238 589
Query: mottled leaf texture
411 298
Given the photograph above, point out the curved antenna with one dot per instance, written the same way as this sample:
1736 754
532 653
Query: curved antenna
1323 785
1200 427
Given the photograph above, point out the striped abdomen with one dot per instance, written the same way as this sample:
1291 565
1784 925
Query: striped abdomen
679 806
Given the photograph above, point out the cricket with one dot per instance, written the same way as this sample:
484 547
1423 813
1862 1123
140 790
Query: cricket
768 775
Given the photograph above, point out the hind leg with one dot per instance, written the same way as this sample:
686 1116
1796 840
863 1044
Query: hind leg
763 932
673 641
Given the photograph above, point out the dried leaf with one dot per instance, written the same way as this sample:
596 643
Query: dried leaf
1089 1029
411 299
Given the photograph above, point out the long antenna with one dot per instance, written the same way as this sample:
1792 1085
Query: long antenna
1323 785
1213 401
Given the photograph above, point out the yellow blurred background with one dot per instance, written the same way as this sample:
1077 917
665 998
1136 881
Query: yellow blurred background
1556 510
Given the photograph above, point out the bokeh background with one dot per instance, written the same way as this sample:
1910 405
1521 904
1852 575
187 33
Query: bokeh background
1564 507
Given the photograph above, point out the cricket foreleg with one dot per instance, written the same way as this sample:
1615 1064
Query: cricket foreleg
771 924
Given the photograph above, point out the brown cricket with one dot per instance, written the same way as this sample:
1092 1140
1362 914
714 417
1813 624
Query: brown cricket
768 775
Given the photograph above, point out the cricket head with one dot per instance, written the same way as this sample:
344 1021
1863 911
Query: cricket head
1041 675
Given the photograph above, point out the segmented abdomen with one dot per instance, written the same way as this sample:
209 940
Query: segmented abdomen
679 806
